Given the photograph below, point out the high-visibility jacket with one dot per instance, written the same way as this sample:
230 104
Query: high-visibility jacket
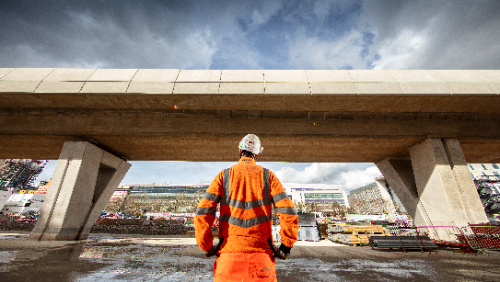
247 192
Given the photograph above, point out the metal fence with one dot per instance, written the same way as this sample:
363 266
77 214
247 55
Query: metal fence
481 238
445 237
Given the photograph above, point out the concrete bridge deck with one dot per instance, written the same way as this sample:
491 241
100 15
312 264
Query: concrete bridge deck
419 127
196 115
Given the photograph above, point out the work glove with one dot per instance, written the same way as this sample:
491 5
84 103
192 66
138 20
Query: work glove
214 249
282 252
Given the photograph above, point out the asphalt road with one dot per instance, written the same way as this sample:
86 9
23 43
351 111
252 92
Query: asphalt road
160 258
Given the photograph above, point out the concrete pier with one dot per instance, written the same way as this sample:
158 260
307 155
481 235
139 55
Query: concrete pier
434 184
84 179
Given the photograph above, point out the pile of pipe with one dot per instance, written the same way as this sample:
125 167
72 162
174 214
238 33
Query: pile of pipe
406 242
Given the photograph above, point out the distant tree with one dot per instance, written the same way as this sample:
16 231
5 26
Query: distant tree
343 211
299 206
194 200
314 207
351 210
359 206
335 208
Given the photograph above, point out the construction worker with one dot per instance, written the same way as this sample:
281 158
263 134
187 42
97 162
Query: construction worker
246 193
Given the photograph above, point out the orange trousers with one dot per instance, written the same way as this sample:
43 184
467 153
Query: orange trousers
245 267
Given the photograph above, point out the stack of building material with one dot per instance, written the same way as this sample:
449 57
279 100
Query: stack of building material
403 242
348 239
355 234
336 233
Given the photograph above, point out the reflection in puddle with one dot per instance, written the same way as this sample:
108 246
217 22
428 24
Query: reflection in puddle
7 256
159 263
318 270
106 258
144 262
185 269
13 236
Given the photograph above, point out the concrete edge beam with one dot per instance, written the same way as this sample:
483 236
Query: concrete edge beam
108 75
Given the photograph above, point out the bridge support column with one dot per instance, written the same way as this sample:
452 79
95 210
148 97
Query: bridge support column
435 185
84 179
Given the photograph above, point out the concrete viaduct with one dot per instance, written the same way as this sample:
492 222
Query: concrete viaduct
419 127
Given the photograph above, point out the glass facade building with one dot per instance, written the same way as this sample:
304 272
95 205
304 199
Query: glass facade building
155 191
376 198
322 194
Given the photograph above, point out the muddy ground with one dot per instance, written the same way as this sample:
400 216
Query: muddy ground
177 258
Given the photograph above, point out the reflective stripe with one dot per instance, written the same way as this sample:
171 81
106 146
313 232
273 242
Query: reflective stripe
225 200
225 196
287 210
279 197
246 205
203 211
211 197
266 187
246 223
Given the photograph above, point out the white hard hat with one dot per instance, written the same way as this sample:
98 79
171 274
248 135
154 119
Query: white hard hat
251 143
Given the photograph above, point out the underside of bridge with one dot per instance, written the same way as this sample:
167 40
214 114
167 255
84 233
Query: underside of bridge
300 115
327 116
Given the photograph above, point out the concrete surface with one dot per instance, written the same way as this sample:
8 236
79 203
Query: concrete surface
329 116
465 189
435 186
104 258
399 174
84 179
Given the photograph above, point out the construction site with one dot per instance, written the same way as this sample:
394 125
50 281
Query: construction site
324 252
148 231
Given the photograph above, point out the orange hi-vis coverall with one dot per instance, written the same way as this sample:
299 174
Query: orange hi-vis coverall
247 194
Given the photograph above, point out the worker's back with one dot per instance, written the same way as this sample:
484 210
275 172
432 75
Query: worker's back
247 194
245 215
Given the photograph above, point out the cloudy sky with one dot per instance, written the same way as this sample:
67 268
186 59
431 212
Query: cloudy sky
342 34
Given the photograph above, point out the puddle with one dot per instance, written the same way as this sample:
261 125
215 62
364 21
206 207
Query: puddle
174 259
145 263
349 270
7 256
159 263
12 236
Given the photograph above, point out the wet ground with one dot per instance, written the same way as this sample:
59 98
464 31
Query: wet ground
177 258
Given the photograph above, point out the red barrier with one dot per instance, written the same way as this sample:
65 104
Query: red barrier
483 238
446 237
488 236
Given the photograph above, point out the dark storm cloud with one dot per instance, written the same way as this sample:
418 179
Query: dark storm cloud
461 34
109 34
261 34
161 34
